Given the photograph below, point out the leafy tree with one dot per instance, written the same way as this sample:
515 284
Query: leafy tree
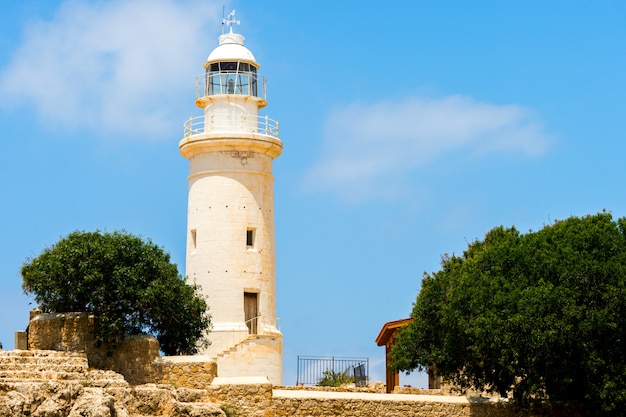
541 315
129 284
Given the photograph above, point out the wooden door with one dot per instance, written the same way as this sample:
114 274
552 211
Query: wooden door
251 311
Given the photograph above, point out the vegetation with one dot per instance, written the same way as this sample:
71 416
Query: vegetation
541 315
332 378
129 284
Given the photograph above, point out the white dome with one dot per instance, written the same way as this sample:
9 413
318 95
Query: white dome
231 49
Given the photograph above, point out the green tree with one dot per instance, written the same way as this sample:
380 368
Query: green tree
129 284
541 315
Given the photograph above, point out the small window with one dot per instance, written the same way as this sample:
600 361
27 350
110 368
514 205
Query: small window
250 238
193 239
228 66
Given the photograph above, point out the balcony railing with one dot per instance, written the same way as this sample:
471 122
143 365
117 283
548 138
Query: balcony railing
241 123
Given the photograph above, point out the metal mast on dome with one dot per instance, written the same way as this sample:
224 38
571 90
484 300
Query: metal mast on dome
231 19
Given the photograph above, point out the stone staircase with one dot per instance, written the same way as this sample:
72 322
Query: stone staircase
49 365
46 382
236 347
41 366
248 357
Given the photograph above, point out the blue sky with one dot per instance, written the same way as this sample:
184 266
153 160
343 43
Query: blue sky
409 130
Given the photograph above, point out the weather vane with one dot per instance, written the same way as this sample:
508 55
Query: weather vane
231 19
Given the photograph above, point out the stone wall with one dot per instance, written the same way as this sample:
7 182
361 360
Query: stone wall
254 398
194 379
65 332
261 400
138 358
196 372
347 407
60 384
75 332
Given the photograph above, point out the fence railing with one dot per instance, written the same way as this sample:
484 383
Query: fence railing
311 369
240 123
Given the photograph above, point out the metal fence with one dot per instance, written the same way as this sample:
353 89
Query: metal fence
311 369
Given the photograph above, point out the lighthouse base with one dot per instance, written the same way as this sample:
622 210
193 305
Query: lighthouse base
258 355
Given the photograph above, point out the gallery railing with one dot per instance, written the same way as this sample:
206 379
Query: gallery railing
240 123
315 369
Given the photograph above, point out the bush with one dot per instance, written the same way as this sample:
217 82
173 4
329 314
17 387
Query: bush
331 378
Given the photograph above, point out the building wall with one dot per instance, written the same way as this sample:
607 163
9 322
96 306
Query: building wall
228 196
260 356
231 193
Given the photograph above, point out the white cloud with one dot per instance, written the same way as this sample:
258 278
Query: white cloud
113 66
369 149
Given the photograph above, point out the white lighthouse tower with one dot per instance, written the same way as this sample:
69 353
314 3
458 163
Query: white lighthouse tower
230 224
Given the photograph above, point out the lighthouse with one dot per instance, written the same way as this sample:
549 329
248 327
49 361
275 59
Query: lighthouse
230 217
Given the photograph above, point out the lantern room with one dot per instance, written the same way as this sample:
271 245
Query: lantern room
232 78
231 69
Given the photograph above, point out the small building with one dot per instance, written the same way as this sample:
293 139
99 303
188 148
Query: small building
387 338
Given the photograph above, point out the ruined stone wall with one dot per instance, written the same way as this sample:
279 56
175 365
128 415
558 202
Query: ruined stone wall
75 332
50 383
251 400
359 407
344 407
196 372
138 358
260 400
65 332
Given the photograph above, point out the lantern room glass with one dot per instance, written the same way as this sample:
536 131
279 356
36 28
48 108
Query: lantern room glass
232 78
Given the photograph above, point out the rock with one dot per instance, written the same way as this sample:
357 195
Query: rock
71 399
152 399
12 404
197 410
51 407
36 399
95 403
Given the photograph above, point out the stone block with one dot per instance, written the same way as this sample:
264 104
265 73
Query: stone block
21 340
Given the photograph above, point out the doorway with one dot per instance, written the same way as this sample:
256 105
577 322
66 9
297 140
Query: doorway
251 311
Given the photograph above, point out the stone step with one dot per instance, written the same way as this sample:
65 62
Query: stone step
197 409
40 353
236 347
104 379
21 385
44 358
42 361
79 378
29 380
104 383
41 375
43 367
